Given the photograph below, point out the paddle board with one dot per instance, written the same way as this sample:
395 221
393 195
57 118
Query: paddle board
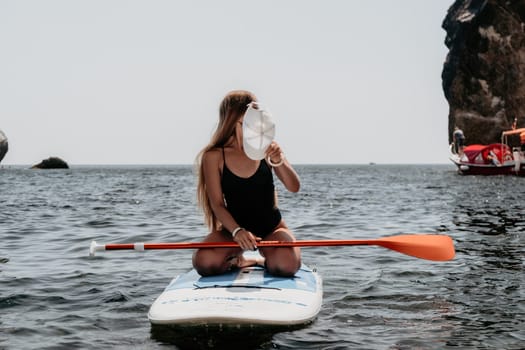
245 297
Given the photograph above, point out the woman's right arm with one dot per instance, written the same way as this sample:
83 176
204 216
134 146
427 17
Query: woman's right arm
211 162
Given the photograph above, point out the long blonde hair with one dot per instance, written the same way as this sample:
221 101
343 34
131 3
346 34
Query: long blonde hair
232 108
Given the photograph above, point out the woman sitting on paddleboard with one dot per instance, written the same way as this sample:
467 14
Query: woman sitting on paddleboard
238 197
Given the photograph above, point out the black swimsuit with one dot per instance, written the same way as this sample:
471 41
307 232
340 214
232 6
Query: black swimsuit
251 201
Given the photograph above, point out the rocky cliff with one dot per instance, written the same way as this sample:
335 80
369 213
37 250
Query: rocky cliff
484 73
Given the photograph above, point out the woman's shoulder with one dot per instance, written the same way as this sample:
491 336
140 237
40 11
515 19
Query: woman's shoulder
212 160
212 155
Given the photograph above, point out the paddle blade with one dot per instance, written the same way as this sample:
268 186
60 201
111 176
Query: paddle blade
430 247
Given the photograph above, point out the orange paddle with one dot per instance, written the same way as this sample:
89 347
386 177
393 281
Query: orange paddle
424 246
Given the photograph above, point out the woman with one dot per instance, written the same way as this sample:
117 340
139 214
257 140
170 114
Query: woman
238 197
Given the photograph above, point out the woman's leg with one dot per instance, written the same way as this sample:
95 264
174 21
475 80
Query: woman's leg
282 261
215 261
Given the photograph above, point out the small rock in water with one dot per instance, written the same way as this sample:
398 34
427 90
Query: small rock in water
51 163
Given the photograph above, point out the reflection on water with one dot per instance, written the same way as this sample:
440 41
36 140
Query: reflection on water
488 290
488 221
217 337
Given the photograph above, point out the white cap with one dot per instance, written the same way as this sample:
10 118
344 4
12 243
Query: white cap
258 132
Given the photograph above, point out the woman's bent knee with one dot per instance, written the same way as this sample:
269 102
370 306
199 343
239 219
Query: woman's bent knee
207 263
284 270
208 268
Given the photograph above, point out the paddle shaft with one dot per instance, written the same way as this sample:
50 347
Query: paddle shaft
199 245
430 247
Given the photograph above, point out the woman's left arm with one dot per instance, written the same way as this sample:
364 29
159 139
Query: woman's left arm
283 169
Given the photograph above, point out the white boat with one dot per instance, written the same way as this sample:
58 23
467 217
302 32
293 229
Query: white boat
493 159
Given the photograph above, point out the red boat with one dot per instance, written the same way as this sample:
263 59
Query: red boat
493 159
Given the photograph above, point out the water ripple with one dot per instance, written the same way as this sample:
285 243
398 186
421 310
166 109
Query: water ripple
52 294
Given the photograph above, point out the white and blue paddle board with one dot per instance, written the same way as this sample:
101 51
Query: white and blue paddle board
245 297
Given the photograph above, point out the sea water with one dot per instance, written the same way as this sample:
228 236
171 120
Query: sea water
54 296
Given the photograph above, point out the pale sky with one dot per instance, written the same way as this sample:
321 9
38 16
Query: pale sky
140 81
